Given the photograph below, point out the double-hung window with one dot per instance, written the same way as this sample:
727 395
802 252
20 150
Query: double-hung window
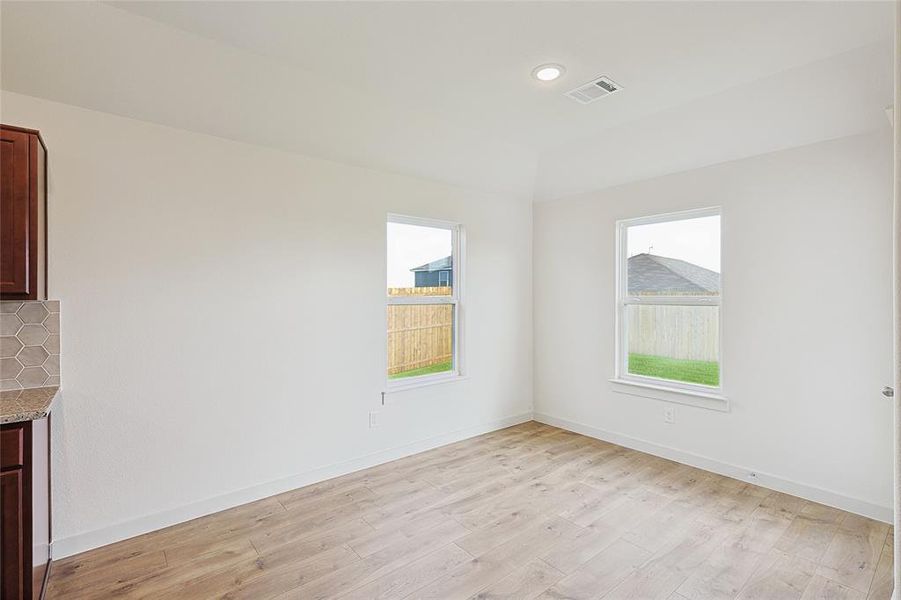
669 301
423 300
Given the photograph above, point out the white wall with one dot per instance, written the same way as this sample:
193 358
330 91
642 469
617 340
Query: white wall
807 261
223 320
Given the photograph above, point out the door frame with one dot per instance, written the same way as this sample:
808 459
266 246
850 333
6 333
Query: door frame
896 117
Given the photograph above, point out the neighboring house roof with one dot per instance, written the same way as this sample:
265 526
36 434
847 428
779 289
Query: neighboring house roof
651 274
442 264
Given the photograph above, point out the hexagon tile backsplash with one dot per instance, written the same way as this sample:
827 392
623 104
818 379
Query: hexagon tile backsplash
29 344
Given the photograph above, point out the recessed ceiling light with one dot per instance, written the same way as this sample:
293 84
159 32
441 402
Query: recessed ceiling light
548 72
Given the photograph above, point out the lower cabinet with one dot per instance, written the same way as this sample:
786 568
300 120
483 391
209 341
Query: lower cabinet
13 533
24 509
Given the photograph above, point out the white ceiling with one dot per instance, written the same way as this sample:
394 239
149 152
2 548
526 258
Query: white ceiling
442 89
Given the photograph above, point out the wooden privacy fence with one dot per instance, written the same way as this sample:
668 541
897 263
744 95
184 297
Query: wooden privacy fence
686 332
419 335
421 291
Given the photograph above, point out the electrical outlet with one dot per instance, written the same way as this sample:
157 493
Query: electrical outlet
669 414
373 419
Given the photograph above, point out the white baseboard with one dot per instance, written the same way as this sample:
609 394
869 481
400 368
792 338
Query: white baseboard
88 540
809 492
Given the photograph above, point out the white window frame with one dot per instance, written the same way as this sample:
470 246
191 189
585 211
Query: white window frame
455 299
662 389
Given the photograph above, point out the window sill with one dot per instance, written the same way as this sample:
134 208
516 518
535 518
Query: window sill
419 382
700 399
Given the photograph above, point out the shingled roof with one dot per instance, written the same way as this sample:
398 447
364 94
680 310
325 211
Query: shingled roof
442 264
659 275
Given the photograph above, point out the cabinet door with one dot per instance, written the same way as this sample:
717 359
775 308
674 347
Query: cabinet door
12 534
16 231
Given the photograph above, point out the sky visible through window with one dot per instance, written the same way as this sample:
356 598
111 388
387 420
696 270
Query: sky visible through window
410 246
693 240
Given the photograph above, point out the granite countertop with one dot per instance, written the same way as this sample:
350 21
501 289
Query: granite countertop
26 405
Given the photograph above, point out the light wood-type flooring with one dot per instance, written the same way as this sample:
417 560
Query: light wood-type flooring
526 512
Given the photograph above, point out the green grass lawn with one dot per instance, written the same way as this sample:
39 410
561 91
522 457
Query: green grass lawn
689 371
436 368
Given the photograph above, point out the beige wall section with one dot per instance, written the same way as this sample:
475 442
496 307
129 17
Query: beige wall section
225 318
807 237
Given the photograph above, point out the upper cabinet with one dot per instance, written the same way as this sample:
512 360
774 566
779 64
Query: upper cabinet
23 214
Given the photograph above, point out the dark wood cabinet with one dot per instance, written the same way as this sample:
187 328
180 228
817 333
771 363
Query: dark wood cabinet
23 214
12 532
24 509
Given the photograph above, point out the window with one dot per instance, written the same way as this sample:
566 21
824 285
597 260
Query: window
423 296
669 301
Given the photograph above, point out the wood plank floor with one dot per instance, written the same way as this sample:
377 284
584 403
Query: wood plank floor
526 512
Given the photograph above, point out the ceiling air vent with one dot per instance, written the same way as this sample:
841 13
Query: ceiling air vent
594 90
